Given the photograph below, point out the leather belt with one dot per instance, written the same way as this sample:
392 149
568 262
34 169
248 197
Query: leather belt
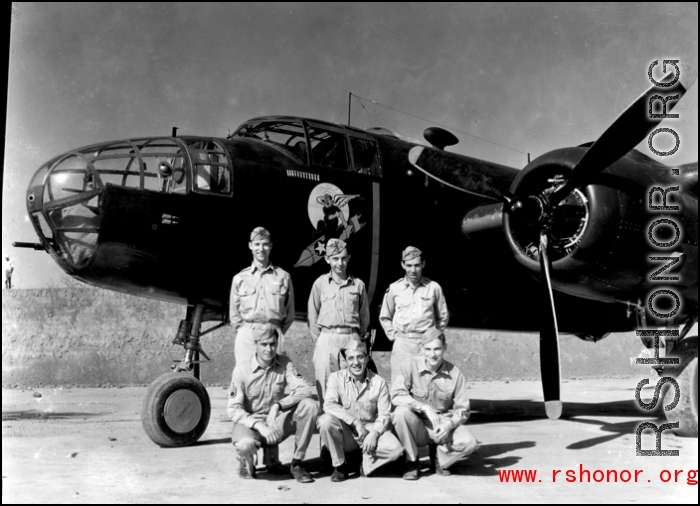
411 335
261 323
340 330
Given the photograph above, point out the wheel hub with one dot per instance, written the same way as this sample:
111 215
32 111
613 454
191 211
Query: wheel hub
182 411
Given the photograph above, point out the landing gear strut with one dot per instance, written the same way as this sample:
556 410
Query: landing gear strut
176 408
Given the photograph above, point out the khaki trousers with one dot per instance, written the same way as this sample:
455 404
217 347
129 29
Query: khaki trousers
403 349
337 436
415 431
300 421
327 358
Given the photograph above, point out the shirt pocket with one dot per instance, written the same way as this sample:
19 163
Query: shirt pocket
278 388
443 400
419 394
368 411
327 304
403 307
352 300
347 404
276 294
247 294
254 390
427 301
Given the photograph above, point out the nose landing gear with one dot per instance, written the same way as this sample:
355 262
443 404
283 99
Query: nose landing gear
176 408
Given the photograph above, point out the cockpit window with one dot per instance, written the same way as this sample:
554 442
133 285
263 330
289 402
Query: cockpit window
287 135
344 149
212 171
328 149
365 156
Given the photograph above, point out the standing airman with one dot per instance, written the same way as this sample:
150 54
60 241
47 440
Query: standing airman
262 298
432 406
263 415
411 306
357 416
338 311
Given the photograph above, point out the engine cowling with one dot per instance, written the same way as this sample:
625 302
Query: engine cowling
598 234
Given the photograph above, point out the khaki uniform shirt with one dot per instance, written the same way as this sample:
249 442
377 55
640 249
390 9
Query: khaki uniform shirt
370 403
262 296
408 309
445 390
255 389
338 305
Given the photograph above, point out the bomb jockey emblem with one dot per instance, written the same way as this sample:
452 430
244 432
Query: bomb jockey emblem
329 213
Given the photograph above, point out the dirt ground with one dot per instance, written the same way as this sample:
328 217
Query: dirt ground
87 445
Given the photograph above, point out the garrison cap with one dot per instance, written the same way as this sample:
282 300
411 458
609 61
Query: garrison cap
265 334
335 247
354 344
431 335
260 234
410 253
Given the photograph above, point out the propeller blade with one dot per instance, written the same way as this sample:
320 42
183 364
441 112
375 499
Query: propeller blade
468 175
549 338
628 130
483 218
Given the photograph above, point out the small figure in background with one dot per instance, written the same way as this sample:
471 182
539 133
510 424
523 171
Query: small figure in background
9 269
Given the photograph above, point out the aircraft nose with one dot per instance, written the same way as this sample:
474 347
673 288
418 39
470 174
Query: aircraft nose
63 204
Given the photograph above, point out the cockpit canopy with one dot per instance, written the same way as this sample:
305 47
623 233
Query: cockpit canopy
63 199
332 146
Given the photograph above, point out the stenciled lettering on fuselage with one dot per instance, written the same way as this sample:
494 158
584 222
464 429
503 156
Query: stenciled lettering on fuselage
329 213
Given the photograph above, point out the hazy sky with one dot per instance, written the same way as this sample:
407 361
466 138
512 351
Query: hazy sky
530 76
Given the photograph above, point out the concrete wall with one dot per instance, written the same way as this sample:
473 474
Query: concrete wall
93 337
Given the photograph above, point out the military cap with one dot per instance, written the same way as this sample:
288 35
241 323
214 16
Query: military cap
431 335
259 234
335 247
355 345
410 253
265 334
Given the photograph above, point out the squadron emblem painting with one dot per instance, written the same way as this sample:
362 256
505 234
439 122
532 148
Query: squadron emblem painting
349 300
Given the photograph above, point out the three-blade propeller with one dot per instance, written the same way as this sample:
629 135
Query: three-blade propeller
628 130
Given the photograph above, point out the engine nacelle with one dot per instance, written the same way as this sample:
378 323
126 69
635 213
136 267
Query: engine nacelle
599 242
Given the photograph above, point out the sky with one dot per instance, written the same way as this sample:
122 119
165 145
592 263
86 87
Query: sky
529 76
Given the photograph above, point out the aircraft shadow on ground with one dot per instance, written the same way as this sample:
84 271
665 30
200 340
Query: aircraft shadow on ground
489 411
10 416
616 429
210 442
483 461
480 463
485 411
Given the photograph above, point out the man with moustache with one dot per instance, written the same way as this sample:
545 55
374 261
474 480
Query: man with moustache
262 298
263 415
357 416
432 406
412 305
338 311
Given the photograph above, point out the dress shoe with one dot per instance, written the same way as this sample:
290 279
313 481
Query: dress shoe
411 470
246 469
435 466
340 473
300 474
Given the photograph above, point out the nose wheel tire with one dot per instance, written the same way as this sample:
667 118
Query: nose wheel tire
175 410
686 374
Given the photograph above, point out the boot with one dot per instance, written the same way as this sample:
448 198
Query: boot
411 469
340 473
353 460
435 466
246 468
300 474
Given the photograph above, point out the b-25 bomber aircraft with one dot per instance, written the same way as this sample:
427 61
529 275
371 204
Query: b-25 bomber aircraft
559 246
